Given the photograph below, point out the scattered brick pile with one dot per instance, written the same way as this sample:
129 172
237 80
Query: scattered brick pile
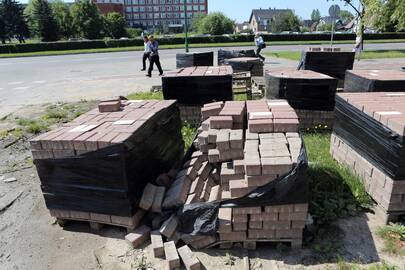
369 138
374 81
252 64
310 93
231 162
194 59
198 85
224 54
332 62
95 167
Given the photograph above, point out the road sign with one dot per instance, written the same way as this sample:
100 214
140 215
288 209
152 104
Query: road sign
334 11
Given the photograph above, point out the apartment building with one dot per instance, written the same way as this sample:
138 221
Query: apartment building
151 14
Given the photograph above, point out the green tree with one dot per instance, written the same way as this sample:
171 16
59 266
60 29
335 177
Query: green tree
87 20
346 16
12 21
387 16
63 18
134 32
197 21
316 15
216 23
286 21
3 32
41 20
399 14
114 25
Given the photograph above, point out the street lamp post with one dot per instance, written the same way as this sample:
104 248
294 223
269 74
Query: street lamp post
185 24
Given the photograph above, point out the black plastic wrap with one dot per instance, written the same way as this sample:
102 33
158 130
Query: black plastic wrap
224 54
291 188
253 65
305 94
333 64
358 83
378 144
111 180
198 90
194 59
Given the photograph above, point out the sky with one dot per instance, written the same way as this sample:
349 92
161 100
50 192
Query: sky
240 10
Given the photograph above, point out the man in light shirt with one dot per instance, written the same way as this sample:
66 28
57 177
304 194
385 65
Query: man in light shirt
260 45
146 52
154 56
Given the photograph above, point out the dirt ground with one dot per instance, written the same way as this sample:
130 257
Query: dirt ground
30 239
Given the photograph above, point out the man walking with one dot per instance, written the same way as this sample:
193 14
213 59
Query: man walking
260 45
146 52
154 56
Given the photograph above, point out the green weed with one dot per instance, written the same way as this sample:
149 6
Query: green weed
336 192
145 95
229 259
394 238
188 132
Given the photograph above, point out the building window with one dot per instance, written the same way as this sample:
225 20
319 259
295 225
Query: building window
202 7
195 8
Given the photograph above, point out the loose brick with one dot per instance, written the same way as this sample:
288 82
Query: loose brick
233 236
225 219
139 236
158 199
109 106
157 244
221 122
169 227
189 259
148 197
280 166
172 257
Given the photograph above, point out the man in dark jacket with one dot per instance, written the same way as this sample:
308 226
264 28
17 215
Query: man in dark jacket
154 56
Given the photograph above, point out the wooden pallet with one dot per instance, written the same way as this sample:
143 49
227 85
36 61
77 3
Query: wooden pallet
295 243
97 221
388 216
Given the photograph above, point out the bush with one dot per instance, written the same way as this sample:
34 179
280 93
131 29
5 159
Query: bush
95 44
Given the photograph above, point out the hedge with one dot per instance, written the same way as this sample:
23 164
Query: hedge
95 44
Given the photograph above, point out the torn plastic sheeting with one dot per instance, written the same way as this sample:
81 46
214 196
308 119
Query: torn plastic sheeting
202 218
378 144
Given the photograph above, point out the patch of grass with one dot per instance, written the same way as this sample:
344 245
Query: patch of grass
33 126
229 259
141 263
296 56
188 132
335 191
394 238
145 95
375 54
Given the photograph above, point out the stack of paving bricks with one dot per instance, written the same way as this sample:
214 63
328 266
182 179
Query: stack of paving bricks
369 139
224 54
329 61
374 81
252 64
194 86
95 167
194 59
310 93
231 161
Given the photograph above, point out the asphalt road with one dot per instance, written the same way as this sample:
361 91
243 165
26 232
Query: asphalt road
36 80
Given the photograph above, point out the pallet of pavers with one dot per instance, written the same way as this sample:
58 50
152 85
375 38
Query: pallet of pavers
96 167
244 180
310 93
194 59
329 61
194 86
251 64
374 81
225 54
368 137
